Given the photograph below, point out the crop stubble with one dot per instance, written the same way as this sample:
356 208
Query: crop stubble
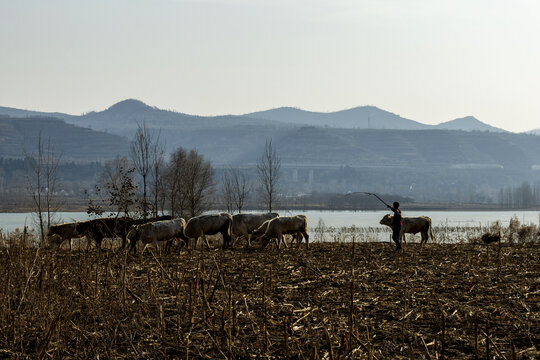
335 300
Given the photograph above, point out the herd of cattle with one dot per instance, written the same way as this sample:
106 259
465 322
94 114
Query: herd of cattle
263 227
260 227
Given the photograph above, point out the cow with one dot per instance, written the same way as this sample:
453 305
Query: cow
156 231
60 232
412 225
285 225
98 229
134 222
243 225
200 226
259 232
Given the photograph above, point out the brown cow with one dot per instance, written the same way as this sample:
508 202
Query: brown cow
57 234
412 225
98 229
200 226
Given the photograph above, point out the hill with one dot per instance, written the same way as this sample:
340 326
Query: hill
124 117
365 117
12 112
468 123
20 135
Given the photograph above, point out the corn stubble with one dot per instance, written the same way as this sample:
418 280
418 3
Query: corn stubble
336 301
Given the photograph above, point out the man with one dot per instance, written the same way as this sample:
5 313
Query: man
397 222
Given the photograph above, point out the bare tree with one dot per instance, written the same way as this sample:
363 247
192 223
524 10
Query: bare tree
268 169
42 180
142 148
190 183
156 172
236 188
173 182
227 190
116 188
198 183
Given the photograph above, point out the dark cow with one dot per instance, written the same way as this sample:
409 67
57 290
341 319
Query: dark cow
98 229
412 225
243 225
200 226
57 234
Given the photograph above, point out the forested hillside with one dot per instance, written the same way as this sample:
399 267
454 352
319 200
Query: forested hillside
19 137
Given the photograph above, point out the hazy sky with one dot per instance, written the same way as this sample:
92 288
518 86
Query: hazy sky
427 60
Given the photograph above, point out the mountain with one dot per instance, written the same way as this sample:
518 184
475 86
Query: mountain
364 117
27 113
124 117
534 132
468 123
19 136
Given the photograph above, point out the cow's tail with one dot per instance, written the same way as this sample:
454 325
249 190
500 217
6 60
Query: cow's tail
305 233
431 231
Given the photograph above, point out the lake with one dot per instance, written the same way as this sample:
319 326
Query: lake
336 219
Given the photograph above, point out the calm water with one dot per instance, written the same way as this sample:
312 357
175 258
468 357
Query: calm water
10 221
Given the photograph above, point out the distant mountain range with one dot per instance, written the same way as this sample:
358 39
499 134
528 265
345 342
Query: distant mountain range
122 118
358 149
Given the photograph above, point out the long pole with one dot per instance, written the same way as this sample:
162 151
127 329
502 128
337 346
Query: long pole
368 193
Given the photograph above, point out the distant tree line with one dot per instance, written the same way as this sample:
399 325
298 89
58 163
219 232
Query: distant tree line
183 185
524 196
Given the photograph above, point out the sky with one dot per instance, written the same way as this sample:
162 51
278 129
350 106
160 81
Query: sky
429 61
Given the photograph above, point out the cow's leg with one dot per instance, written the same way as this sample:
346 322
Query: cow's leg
133 246
281 239
156 246
99 239
226 239
206 241
144 249
168 245
424 237
306 236
264 242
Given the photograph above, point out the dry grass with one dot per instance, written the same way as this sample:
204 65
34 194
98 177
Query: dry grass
335 300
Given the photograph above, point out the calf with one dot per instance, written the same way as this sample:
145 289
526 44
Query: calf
285 225
412 225
154 232
200 226
244 225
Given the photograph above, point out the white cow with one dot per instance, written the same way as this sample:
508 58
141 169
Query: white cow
199 226
155 232
245 224
284 225
412 225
